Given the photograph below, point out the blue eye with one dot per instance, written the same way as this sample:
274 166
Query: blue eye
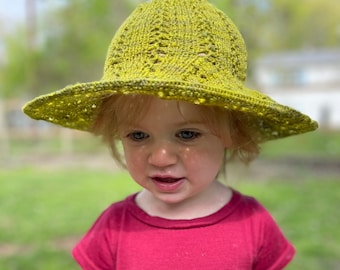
188 135
137 136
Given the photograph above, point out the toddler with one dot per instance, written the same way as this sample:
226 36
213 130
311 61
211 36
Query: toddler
173 98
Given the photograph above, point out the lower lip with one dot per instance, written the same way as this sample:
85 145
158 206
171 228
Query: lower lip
168 187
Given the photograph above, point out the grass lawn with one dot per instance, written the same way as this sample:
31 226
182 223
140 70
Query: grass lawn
43 212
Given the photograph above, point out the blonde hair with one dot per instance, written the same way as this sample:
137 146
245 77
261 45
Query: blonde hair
228 125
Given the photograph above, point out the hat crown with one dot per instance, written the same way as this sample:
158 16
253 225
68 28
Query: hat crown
172 40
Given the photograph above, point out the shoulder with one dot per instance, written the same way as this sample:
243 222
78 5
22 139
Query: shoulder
111 215
98 245
252 211
273 250
116 210
256 218
248 205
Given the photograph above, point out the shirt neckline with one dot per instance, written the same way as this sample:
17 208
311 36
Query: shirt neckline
160 222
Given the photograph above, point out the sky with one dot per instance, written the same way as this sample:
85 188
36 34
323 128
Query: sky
12 11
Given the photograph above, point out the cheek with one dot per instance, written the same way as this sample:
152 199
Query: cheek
134 159
206 159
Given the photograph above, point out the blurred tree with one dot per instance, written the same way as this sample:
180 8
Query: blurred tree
76 41
274 25
73 39
71 46
308 23
13 73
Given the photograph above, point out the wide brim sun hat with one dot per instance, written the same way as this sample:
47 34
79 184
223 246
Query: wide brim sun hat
185 50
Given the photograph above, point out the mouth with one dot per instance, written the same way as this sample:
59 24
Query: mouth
166 180
168 184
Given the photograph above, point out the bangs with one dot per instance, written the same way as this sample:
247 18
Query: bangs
129 108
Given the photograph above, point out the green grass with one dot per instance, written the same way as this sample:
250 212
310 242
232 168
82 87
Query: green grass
54 200
38 208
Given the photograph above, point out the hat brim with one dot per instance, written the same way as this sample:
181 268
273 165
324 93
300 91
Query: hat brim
76 106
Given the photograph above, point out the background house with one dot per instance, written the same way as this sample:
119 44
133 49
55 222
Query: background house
306 80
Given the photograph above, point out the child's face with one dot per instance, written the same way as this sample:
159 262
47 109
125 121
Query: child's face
171 152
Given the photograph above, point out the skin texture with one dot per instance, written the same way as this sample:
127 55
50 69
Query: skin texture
176 158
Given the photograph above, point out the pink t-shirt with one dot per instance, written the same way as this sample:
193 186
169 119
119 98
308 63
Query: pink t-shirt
241 235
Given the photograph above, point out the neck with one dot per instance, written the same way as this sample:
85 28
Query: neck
206 203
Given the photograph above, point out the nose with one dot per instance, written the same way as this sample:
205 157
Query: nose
163 154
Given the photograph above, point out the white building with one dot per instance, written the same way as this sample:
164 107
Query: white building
306 80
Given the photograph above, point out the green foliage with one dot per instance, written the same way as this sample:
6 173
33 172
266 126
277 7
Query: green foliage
312 23
70 46
15 76
275 25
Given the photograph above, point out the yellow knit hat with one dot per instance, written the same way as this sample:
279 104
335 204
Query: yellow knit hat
174 49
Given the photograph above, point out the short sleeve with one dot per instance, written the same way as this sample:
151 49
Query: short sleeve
95 250
275 251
